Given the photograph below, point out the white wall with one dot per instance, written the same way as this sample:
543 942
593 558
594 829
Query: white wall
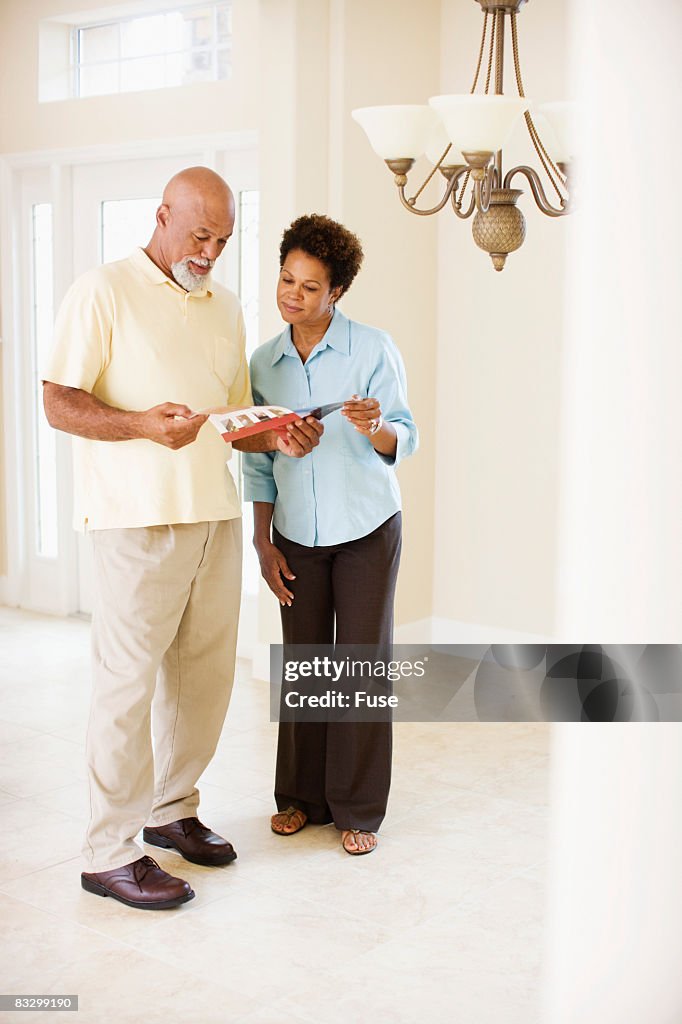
622 496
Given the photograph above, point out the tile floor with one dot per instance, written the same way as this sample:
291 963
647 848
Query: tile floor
444 923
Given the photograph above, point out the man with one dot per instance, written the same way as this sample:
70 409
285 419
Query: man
140 346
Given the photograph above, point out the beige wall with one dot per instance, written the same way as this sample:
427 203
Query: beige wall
26 124
498 367
397 287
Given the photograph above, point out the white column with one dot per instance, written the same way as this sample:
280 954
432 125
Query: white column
615 898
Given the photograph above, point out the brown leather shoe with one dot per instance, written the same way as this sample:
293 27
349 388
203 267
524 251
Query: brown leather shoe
142 884
193 840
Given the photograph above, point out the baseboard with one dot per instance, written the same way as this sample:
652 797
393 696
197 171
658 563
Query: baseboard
419 632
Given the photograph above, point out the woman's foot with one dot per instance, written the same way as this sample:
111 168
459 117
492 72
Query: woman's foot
357 842
286 823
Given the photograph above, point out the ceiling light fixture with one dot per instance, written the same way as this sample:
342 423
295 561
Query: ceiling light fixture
463 136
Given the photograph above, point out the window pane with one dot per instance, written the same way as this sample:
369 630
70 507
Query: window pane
224 69
175 32
99 80
198 66
178 47
143 73
143 36
224 23
175 69
45 453
98 44
126 223
200 26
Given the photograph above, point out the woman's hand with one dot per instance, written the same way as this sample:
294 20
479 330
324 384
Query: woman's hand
274 570
364 414
298 439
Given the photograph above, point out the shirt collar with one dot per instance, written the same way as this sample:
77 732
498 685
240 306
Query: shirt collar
337 336
155 275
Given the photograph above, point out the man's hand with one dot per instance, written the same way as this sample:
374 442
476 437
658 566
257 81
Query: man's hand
274 570
299 438
174 426
78 412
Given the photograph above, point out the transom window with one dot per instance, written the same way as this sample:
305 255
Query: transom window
153 51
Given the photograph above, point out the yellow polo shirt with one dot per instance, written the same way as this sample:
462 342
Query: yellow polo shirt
135 339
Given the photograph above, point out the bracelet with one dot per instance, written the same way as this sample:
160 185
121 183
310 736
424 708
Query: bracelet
376 426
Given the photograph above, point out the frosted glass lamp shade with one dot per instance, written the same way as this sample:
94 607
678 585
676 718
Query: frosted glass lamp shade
397 132
479 124
438 140
561 139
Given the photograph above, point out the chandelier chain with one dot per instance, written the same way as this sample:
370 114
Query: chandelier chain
480 53
460 198
435 167
445 152
552 171
491 55
499 24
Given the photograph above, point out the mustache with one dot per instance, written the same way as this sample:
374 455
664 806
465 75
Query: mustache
199 262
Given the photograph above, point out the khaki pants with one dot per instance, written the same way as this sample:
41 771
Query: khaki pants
164 634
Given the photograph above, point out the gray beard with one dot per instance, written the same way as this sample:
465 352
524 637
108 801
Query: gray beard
185 278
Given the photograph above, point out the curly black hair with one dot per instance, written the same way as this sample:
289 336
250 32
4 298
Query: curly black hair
328 241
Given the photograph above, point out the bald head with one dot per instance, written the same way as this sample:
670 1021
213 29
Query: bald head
198 184
193 224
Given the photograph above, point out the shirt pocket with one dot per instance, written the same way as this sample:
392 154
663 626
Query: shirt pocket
225 358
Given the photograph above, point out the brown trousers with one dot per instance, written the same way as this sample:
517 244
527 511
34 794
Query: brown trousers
339 771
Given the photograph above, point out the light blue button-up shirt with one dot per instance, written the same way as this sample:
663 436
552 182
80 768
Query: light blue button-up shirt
344 489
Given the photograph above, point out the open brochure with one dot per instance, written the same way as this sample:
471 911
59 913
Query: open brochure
234 424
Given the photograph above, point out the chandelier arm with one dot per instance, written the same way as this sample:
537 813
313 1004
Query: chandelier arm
483 190
538 191
409 204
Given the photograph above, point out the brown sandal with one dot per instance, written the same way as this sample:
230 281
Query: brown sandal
295 817
355 832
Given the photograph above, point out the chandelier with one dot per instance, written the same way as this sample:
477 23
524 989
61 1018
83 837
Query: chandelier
463 135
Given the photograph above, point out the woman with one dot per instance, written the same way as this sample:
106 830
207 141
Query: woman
328 529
